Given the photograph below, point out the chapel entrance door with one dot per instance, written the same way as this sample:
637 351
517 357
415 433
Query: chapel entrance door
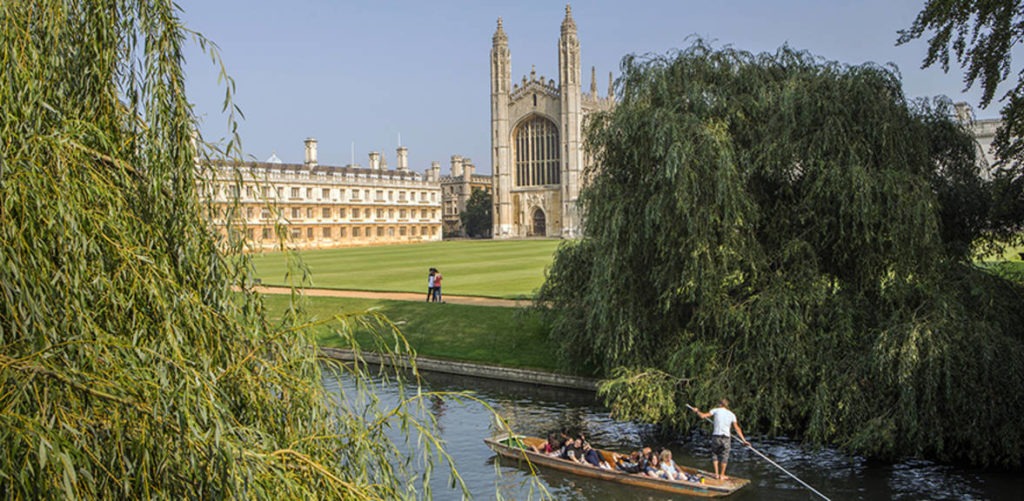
539 223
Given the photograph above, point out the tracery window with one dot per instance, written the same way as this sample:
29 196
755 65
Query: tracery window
537 153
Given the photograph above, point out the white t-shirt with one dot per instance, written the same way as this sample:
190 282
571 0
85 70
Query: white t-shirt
724 418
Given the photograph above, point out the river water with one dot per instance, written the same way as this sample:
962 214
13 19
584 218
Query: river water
537 410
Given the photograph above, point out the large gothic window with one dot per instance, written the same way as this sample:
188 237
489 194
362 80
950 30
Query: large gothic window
537 153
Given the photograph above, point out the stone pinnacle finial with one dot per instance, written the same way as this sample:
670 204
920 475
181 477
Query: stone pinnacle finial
568 24
593 81
499 34
611 86
533 72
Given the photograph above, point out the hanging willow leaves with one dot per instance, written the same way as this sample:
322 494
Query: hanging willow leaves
794 234
130 364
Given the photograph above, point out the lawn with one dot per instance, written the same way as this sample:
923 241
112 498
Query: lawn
490 268
507 337
1009 265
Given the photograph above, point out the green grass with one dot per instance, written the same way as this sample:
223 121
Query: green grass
507 337
1009 265
490 268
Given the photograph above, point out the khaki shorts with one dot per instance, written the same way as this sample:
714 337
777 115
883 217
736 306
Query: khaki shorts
720 445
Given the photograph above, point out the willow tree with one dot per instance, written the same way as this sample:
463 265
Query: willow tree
981 36
795 234
134 359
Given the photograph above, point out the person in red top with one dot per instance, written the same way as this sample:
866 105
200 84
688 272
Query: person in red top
437 287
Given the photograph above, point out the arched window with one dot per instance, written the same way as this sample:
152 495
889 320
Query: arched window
538 161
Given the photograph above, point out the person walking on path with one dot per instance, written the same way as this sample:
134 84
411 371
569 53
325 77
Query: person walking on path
721 435
431 285
437 287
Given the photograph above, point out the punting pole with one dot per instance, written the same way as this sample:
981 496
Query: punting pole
766 458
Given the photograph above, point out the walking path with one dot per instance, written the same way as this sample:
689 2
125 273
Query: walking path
398 296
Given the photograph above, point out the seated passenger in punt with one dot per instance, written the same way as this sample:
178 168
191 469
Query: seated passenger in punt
551 446
654 467
630 463
668 466
573 451
593 458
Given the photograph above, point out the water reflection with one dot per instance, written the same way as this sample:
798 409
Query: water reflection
537 410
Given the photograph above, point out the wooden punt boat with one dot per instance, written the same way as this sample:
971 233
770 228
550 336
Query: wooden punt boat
518 447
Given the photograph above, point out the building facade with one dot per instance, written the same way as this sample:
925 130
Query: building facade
456 189
319 206
537 154
984 130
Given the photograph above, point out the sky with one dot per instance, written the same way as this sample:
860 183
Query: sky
361 75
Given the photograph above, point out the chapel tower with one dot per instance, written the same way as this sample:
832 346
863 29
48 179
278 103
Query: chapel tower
572 144
537 154
501 159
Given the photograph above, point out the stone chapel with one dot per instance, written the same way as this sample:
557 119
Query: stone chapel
537 155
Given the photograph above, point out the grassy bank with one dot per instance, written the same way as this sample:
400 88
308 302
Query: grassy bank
489 268
489 335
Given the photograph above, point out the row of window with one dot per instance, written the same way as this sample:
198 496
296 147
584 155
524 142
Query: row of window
343 213
451 190
327 232
325 213
338 194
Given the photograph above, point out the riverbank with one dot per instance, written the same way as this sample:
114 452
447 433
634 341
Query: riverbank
491 337
472 333
498 373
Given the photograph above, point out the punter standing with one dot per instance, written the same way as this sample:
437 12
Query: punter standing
721 435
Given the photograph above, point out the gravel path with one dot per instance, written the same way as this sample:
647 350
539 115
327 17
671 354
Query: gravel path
399 296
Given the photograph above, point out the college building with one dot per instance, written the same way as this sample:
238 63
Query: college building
456 188
319 206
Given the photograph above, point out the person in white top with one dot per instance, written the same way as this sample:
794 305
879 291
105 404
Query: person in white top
721 436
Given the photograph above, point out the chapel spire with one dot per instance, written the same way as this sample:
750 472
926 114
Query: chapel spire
568 25
499 38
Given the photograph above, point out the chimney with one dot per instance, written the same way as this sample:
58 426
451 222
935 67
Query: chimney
434 173
310 152
456 165
964 113
403 158
374 160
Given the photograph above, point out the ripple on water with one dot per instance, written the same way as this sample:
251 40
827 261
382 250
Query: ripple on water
537 410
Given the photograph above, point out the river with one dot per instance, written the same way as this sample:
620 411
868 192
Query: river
536 410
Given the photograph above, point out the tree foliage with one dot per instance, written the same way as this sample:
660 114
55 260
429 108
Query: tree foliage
136 361
981 37
795 234
476 219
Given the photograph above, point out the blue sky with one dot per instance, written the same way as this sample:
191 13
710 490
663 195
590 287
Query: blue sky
365 72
